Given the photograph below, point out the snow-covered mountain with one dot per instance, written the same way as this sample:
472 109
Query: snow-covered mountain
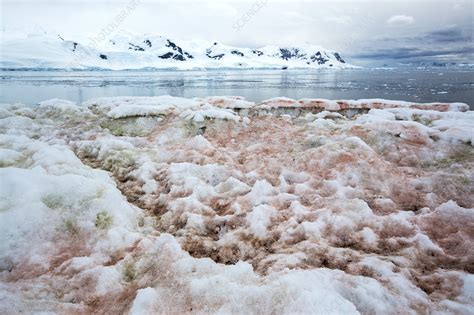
127 51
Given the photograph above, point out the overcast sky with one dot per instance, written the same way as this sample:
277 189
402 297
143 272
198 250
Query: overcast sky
365 32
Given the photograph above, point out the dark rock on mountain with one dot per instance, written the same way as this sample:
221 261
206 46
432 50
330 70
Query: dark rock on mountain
171 55
318 57
135 47
339 58
174 46
179 57
291 53
216 57
102 56
166 56
238 53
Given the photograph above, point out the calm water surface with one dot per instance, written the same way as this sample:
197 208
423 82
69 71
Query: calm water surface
428 85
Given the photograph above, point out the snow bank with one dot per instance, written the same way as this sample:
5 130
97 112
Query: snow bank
107 208
334 105
192 109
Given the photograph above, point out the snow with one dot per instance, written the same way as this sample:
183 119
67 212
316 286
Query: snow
192 109
144 302
259 219
335 105
261 192
58 103
468 286
120 107
210 113
107 209
8 156
57 181
369 236
130 51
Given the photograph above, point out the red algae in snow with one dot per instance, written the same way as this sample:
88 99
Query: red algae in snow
206 205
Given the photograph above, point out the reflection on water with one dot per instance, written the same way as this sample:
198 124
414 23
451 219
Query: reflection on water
446 85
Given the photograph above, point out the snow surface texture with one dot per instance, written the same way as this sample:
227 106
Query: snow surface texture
127 51
163 205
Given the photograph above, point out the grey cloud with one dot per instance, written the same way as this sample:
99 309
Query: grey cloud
446 43
411 53
451 34
448 34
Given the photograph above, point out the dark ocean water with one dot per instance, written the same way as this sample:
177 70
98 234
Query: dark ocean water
420 85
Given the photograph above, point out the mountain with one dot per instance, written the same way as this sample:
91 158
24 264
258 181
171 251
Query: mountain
435 64
127 51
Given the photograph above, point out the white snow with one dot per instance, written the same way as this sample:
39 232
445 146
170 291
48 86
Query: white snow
259 219
210 113
145 301
58 103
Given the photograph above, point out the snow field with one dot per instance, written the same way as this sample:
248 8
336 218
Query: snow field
171 205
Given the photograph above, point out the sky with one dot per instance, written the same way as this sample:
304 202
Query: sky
364 32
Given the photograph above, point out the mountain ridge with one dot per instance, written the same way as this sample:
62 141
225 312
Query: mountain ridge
126 51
